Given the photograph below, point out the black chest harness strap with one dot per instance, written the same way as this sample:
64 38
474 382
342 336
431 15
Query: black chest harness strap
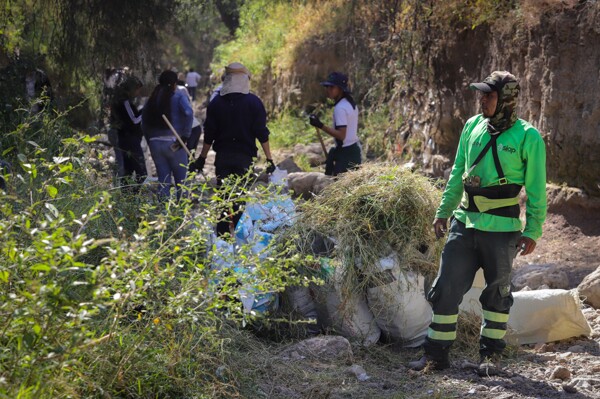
499 200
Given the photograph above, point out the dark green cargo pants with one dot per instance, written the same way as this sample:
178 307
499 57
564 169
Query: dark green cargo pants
465 251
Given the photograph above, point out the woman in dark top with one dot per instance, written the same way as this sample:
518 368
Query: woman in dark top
126 118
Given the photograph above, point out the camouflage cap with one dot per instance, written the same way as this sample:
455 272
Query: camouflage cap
495 82
508 89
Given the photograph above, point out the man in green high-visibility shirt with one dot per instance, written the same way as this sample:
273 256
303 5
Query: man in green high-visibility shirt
497 154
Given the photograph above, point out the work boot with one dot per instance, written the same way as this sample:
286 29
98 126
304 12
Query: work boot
427 361
489 366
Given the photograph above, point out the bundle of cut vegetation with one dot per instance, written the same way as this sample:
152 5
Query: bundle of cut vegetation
376 211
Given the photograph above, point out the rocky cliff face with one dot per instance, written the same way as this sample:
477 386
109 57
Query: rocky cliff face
558 63
421 75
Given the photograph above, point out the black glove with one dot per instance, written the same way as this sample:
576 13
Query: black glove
314 120
270 166
197 165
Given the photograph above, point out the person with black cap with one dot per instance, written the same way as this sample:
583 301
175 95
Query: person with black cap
347 152
497 155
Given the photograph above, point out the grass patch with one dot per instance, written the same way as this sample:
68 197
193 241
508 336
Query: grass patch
288 129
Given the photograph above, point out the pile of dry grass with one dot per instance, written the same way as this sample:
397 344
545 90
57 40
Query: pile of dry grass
370 213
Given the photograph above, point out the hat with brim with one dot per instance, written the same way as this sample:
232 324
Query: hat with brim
495 82
236 80
337 79
484 87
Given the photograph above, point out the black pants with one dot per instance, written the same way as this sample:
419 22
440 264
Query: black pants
133 156
342 159
467 250
192 91
229 164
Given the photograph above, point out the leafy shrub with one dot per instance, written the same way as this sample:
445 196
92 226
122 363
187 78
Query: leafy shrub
105 293
288 129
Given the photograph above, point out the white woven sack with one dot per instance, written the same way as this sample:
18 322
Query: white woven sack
347 314
536 316
400 307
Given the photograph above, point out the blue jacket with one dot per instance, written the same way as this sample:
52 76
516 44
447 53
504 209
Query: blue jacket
234 122
182 117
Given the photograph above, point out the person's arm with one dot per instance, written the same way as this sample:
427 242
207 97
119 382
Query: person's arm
339 133
267 150
534 153
205 149
210 129
454 189
134 115
188 115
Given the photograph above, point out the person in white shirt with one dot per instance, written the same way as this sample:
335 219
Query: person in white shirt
192 79
346 154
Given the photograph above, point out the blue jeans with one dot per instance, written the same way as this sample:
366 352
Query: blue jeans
169 164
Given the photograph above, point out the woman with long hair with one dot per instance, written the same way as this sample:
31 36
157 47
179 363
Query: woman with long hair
346 154
170 158
126 119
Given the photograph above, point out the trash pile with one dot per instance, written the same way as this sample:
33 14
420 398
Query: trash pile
370 231
260 222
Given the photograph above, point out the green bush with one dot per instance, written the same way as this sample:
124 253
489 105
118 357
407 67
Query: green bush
288 129
107 293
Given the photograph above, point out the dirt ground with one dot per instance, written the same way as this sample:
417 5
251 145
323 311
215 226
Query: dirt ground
571 242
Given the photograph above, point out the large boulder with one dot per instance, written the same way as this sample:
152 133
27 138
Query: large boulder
590 288
307 184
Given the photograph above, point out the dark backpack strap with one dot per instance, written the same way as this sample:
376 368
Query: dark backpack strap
483 152
501 178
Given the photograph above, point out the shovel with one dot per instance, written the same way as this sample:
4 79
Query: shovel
177 136
187 150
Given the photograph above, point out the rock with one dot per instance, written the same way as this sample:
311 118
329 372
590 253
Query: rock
358 371
324 348
469 365
439 164
312 152
569 388
590 288
536 276
289 165
564 356
576 349
322 182
307 184
561 373
542 348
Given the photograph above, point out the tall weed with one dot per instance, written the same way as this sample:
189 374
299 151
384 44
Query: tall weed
106 293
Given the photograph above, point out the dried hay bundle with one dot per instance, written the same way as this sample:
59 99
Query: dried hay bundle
371 213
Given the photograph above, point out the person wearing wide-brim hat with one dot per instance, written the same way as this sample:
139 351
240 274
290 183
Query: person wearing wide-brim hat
235 119
347 152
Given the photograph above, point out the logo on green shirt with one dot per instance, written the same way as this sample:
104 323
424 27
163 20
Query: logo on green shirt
504 147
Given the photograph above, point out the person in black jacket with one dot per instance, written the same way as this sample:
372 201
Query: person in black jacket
126 119
235 119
